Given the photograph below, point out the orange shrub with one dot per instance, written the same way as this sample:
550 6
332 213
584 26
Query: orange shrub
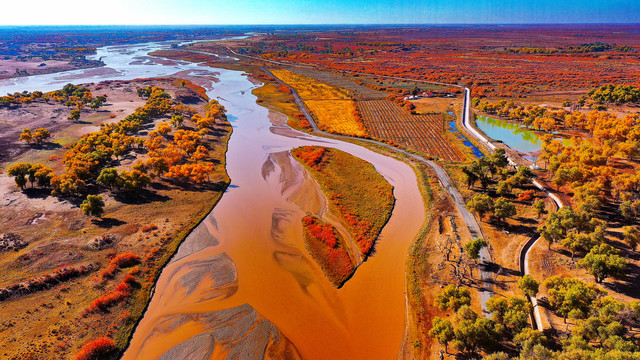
149 227
311 155
96 349
108 273
526 195
125 260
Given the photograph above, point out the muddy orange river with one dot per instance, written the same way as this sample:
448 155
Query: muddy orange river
242 285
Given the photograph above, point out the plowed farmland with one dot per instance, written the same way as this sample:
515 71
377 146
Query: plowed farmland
385 120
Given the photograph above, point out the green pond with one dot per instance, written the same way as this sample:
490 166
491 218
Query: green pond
515 136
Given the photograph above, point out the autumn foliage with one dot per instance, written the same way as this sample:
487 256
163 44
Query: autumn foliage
327 248
455 56
96 349
121 292
311 155
332 107
120 261
323 232
364 205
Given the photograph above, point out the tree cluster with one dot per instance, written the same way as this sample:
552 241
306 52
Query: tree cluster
37 136
619 94
603 326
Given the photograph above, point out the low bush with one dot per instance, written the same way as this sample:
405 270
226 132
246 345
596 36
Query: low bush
96 349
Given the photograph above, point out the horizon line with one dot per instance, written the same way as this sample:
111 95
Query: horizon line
336 24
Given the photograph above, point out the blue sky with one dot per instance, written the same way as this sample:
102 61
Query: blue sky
66 12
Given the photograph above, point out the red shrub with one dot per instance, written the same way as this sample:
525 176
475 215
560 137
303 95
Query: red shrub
526 195
324 233
313 156
96 349
106 301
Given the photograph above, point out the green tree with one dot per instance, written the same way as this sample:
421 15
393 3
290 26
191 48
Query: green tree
144 92
40 174
74 115
177 120
95 104
452 298
499 158
480 204
473 332
93 206
528 285
626 208
528 338
108 177
603 261
473 247
503 209
570 297
503 188
539 207
134 180
19 171
511 314
631 236
577 242
442 330
470 177
497 356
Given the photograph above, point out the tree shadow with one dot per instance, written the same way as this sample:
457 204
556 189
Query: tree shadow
36 193
141 196
107 222
212 186
47 146
160 186
629 285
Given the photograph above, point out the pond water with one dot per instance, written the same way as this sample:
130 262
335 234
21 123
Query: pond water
453 128
515 136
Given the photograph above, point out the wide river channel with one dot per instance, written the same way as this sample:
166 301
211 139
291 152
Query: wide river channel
242 285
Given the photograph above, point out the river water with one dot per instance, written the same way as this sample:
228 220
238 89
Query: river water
242 285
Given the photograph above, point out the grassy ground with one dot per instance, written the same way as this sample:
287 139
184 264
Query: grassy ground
278 98
365 205
55 323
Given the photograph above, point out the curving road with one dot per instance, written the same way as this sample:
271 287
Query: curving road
526 249
470 220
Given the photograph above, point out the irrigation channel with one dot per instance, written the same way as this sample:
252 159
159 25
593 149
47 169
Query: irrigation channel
242 284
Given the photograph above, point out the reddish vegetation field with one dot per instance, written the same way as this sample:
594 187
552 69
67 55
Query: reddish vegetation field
501 65
385 120
327 247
